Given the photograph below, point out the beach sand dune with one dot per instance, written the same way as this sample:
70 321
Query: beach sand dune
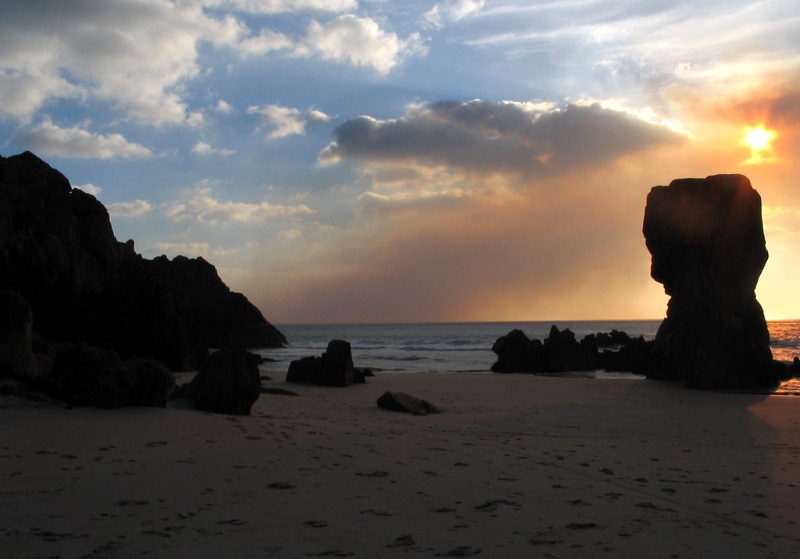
516 466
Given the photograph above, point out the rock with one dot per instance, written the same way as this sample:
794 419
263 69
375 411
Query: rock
333 368
561 352
516 353
400 401
16 329
306 370
229 382
89 376
58 250
708 249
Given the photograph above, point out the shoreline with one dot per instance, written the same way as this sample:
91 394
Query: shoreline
515 466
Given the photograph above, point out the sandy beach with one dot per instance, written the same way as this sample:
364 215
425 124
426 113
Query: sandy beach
515 466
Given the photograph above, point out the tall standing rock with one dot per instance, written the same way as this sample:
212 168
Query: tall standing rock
708 249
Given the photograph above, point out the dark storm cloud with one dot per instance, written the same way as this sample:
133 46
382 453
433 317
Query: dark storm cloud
508 137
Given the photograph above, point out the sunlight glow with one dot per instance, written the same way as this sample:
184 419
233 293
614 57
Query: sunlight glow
758 139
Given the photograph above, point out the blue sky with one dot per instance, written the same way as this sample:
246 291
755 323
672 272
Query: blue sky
376 161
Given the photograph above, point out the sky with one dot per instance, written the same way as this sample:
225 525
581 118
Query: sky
347 161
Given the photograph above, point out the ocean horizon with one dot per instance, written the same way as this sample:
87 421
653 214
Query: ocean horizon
436 347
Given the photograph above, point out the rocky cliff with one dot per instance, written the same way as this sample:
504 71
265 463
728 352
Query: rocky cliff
57 249
708 249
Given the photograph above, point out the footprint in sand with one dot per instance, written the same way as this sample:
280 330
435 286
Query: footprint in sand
405 540
461 551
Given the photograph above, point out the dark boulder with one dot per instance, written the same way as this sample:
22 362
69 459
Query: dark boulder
57 249
89 376
516 353
16 330
708 249
402 402
332 368
229 382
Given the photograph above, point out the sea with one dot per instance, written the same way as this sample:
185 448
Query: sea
466 347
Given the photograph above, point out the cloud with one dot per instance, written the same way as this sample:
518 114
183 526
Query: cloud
279 6
48 138
138 56
89 188
134 208
23 94
360 42
266 41
286 121
223 107
133 54
718 45
452 10
203 148
202 207
483 137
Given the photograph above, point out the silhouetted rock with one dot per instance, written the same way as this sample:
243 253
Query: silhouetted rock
632 356
16 329
229 382
708 250
89 376
561 352
333 368
516 353
402 402
58 250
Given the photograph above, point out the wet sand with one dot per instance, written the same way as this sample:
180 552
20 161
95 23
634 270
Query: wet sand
516 466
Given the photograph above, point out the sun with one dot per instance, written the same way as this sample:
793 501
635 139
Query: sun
758 139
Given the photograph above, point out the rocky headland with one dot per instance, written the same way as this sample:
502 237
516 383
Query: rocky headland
67 280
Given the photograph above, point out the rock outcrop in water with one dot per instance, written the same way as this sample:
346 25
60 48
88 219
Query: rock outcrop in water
561 352
708 249
58 250
332 368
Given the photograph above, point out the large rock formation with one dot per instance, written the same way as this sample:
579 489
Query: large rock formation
89 376
708 250
58 250
16 329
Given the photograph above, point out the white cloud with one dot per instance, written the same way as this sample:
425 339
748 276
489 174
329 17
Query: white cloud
360 42
89 188
204 208
264 42
223 107
286 121
48 138
23 94
134 208
131 53
203 148
452 10
277 6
